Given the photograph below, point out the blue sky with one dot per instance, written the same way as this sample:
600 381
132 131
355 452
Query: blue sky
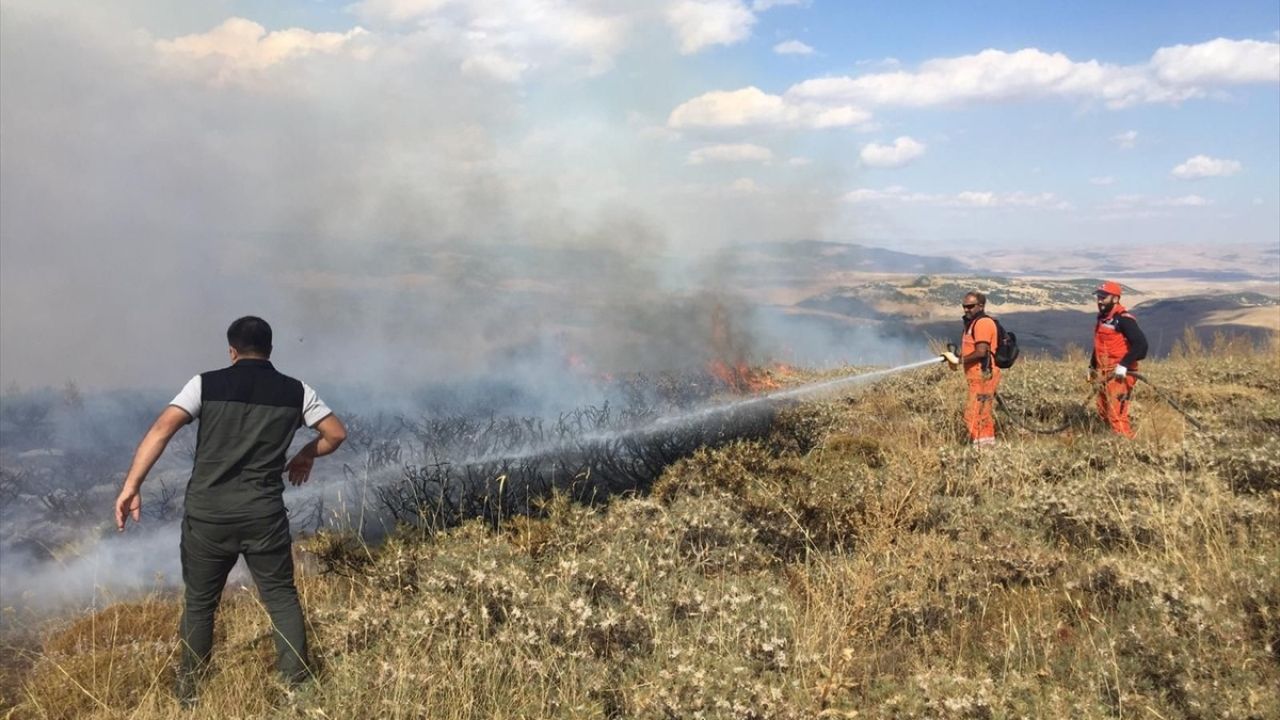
159 154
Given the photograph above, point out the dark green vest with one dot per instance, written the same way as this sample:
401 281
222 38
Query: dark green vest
248 415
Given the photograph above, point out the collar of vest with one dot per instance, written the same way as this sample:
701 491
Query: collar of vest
253 362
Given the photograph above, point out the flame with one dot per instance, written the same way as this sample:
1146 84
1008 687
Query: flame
728 363
741 378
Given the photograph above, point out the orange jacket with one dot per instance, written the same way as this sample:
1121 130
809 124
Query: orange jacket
981 330
1111 347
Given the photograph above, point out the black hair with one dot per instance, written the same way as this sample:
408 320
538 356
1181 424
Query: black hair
978 297
250 335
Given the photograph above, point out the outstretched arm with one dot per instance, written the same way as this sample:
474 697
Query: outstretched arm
129 502
332 434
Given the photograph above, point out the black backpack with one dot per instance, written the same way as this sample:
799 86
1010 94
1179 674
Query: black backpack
1006 345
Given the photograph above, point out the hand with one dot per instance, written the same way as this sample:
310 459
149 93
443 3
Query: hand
300 466
128 504
951 359
1093 375
1120 372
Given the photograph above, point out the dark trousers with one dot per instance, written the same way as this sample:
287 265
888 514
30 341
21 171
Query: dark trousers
209 551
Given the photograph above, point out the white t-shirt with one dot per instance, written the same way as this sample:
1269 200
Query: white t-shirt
313 408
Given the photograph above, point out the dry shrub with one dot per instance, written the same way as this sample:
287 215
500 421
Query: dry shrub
124 676
152 620
801 505
865 449
117 657
1251 465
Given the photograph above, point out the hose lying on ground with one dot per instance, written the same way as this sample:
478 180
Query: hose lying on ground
1020 422
1172 403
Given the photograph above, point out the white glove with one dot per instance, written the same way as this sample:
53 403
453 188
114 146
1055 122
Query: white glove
950 357
1121 371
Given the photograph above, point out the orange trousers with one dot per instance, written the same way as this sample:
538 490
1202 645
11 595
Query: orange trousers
980 409
1113 403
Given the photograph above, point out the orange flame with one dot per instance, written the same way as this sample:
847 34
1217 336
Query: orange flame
742 379
728 362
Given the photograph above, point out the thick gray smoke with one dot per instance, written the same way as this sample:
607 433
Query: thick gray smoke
403 220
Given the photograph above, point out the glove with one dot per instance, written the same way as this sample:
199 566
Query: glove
951 358
1120 372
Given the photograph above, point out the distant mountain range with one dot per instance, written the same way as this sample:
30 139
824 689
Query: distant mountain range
815 256
1213 263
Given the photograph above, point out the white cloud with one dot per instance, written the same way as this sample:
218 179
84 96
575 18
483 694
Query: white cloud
742 152
745 186
792 47
1130 201
702 23
1203 166
398 11
1184 201
239 46
1219 61
494 65
762 5
992 75
507 38
1013 199
799 161
753 106
1139 207
965 199
901 152
748 106
987 76
1125 140
841 116
1104 180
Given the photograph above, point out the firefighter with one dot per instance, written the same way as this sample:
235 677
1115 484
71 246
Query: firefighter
977 357
1118 345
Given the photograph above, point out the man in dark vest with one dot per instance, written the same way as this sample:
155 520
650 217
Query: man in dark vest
248 414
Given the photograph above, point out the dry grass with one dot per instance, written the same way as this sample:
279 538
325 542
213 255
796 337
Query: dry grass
862 562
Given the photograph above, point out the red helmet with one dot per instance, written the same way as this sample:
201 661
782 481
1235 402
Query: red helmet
1110 287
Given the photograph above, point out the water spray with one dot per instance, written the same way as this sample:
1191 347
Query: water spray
672 423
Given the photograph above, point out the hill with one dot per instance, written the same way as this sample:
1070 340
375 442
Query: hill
856 561
1049 315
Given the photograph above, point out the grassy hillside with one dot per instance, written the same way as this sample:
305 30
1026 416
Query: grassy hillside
861 561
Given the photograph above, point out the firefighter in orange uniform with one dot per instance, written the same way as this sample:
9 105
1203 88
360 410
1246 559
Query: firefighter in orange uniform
977 357
1118 345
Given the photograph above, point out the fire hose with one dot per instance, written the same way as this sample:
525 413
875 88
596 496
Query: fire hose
1172 403
1141 378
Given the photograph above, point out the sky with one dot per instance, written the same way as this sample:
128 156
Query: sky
165 166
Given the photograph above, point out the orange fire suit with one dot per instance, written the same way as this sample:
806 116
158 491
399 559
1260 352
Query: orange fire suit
983 377
1117 340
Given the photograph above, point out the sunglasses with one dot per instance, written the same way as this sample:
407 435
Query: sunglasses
970 306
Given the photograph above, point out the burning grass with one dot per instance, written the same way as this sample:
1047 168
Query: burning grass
851 558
